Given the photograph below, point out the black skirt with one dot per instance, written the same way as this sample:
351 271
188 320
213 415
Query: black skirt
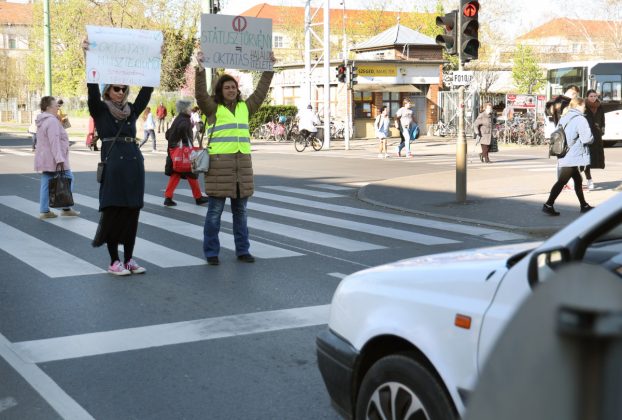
117 225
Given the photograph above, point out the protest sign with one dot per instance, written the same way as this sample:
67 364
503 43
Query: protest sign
123 56
236 42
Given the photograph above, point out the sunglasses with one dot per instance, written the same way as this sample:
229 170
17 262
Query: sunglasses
119 89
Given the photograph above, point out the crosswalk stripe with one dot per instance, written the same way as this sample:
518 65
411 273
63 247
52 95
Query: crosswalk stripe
43 257
306 235
303 191
515 166
97 343
146 250
16 152
83 153
387 232
331 187
488 233
193 231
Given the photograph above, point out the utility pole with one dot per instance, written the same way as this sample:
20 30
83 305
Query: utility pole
327 74
461 143
346 132
209 7
47 48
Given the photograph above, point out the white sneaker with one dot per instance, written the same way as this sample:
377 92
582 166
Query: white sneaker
590 184
386 155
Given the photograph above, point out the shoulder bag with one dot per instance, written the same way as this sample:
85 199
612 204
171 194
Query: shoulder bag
102 165
199 157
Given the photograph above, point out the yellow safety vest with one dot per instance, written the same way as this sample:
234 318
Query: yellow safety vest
230 132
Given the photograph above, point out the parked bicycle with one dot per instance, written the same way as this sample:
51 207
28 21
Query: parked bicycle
301 141
443 129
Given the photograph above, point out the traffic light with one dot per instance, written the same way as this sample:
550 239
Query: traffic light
353 75
341 73
469 27
448 39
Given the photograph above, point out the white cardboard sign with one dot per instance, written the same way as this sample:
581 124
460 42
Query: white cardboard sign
236 42
123 56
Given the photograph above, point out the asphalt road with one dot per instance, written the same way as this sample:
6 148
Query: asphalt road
187 340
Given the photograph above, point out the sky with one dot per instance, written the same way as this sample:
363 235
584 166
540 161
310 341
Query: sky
517 16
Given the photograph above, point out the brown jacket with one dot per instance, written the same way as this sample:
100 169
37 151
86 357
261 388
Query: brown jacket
230 175
483 126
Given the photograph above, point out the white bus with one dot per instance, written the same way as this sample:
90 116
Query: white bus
603 76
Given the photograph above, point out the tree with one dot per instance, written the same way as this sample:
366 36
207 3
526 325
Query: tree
526 72
177 20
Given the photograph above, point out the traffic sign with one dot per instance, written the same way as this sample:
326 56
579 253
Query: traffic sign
462 78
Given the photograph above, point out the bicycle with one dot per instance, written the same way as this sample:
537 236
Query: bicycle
301 142
444 129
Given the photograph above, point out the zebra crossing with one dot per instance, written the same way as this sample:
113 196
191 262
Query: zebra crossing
274 212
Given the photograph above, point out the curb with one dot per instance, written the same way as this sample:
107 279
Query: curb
538 232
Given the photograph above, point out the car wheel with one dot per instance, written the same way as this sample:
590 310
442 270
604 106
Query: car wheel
398 387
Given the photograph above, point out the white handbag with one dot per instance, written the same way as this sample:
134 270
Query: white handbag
199 159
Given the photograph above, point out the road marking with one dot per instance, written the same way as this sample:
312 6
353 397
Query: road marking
387 232
16 152
303 191
492 234
49 390
6 403
337 275
306 235
146 250
92 344
43 257
84 153
195 231
331 187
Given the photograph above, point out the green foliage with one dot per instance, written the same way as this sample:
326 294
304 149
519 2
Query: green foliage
526 72
267 113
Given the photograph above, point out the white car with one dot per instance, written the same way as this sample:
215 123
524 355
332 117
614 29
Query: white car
407 340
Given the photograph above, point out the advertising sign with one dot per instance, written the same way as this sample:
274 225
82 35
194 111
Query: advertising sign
520 101
370 70
123 56
236 42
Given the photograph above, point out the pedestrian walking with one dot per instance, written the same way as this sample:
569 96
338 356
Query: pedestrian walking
404 117
231 169
32 130
381 127
122 188
51 154
180 131
578 137
195 119
91 136
149 127
62 117
161 115
482 126
596 118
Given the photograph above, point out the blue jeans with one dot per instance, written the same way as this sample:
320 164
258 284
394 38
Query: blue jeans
150 133
44 192
215 206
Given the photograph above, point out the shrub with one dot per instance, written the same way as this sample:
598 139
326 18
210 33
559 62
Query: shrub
267 113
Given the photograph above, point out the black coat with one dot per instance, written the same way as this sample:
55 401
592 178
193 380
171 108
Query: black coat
123 184
180 130
597 125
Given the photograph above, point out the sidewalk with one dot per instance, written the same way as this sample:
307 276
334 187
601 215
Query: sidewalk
496 198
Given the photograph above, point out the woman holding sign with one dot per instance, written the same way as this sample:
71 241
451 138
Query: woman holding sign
123 182
231 169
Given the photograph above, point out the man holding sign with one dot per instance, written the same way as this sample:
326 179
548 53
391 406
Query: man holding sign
114 59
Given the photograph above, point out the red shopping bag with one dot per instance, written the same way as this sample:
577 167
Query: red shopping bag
181 158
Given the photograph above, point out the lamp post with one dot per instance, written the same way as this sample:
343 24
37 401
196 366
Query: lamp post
47 57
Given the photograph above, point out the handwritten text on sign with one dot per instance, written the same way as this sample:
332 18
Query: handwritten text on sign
123 56
236 42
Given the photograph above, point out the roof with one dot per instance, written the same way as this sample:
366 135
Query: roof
571 28
15 13
397 35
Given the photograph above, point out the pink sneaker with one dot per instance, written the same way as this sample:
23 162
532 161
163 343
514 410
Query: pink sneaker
133 267
118 269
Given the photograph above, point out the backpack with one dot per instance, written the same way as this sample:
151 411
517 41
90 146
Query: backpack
558 146
414 131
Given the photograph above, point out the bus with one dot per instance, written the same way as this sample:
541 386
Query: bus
603 76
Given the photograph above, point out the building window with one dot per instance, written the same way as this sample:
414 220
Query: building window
362 104
392 101
291 95
12 43
278 41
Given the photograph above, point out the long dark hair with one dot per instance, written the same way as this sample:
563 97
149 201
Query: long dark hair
218 98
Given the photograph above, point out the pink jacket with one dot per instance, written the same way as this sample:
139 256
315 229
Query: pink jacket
52 143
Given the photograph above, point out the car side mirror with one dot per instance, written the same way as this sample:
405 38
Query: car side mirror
544 263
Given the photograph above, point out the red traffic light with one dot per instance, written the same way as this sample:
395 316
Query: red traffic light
470 9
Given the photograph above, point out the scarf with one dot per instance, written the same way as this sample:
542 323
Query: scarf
120 112
593 106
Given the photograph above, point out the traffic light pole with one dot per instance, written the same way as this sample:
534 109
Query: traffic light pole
461 143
